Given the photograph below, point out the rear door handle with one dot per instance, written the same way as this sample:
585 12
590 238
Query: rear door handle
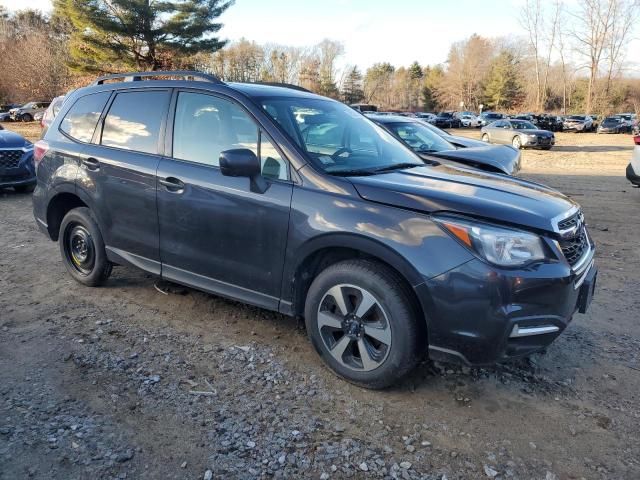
172 184
91 163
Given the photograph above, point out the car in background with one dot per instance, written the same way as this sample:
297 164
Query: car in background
447 120
545 121
578 123
364 107
50 113
488 117
428 144
456 140
429 117
5 109
17 168
633 169
470 120
614 124
26 112
628 120
518 133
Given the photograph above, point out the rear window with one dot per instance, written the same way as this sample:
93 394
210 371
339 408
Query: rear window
134 120
81 119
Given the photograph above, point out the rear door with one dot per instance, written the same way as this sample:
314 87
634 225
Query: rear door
217 234
119 174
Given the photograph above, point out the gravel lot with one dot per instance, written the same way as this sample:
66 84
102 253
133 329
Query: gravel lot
127 381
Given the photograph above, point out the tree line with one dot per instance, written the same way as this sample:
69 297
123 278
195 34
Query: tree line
568 59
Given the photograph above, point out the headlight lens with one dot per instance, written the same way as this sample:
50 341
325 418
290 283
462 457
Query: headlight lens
500 246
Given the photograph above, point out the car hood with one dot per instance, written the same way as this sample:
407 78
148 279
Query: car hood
490 196
499 157
10 139
464 141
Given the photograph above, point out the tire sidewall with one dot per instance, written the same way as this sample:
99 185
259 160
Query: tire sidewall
84 217
400 314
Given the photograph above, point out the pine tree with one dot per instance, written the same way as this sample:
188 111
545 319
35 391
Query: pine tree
503 89
112 35
352 89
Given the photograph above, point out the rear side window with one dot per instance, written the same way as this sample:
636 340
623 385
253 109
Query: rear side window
134 121
81 119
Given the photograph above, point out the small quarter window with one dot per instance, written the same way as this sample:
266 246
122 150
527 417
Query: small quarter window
81 119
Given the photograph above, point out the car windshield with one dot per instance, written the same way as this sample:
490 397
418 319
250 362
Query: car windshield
522 125
28 105
491 115
419 137
611 120
576 117
338 139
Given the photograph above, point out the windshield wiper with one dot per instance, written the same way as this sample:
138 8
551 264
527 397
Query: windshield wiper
350 173
398 166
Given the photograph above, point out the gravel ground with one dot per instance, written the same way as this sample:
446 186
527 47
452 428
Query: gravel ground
126 381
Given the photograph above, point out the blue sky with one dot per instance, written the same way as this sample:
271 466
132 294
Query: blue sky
398 32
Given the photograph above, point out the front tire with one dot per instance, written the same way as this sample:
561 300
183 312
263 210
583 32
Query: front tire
516 142
82 248
27 117
361 320
485 138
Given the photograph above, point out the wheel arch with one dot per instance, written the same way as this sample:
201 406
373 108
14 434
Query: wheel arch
59 205
329 249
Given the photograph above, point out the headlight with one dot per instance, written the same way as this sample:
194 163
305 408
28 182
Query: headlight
531 135
500 246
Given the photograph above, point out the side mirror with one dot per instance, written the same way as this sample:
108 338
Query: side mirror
242 162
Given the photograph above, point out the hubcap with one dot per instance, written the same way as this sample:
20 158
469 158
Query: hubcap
354 327
80 249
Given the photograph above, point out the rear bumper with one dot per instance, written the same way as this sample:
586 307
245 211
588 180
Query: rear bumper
479 315
632 176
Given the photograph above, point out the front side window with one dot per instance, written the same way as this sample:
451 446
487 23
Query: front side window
81 119
522 125
336 138
134 120
205 125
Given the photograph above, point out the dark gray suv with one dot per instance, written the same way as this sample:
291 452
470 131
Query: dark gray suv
297 203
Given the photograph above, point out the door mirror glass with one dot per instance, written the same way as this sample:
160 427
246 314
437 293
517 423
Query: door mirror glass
239 162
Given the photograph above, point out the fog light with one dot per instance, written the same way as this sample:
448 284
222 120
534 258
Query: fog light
536 330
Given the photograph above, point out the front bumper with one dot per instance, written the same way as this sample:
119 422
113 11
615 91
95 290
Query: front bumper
21 174
574 128
538 142
479 315
632 176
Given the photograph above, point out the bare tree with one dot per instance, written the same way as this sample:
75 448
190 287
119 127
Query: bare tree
532 22
623 18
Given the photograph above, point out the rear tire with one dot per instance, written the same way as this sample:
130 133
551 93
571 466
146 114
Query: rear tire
361 320
82 248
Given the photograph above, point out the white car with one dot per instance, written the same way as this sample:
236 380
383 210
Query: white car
470 121
633 169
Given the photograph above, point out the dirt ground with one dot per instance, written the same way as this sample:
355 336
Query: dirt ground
133 381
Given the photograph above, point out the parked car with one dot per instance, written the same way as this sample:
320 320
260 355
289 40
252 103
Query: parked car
518 133
26 112
225 188
633 169
429 117
16 162
50 113
578 123
426 143
488 117
472 121
553 123
456 140
364 107
5 114
447 120
614 125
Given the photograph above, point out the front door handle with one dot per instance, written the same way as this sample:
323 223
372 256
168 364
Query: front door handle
172 184
91 163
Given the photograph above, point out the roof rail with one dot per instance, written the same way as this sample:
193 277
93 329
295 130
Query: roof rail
284 85
138 76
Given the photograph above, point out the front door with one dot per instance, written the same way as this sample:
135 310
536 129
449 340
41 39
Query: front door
215 233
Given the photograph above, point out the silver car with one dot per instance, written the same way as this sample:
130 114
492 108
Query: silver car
518 133
26 112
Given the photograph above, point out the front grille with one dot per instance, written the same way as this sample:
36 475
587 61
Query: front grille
544 140
569 223
10 158
575 247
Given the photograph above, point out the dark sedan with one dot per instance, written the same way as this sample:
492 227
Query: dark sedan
422 140
16 162
518 133
447 120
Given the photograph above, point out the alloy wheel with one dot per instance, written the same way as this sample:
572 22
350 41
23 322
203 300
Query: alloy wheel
354 327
